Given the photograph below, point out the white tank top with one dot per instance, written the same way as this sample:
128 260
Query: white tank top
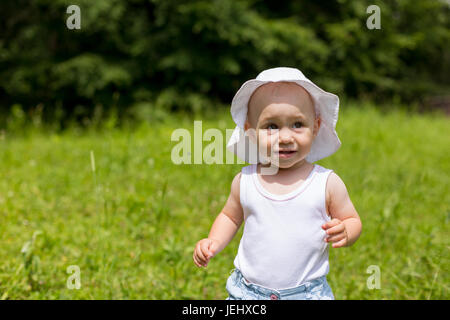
282 245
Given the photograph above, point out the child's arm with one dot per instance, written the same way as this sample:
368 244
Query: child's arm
345 226
223 229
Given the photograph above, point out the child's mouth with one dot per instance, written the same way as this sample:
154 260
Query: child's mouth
286 154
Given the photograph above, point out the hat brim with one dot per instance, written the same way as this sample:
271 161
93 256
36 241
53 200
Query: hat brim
327 104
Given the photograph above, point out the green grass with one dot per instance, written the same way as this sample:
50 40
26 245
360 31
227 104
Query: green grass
131 225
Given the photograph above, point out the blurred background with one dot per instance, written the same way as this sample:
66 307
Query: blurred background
86 117
194 55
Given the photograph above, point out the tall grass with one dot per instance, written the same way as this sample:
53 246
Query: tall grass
130 222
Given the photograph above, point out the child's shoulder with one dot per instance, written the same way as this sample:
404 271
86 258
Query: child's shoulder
235 184
334 182
246 170
336 191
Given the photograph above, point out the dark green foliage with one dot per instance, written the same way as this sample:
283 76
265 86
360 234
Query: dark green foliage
193 55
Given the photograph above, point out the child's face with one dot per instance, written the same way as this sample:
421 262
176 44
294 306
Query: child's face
283 115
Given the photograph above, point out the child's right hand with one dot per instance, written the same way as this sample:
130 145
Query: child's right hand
204 251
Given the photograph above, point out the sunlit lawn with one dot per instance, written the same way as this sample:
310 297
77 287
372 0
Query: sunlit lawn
131 225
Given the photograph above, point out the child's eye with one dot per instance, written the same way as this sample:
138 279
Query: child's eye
272 126
298 125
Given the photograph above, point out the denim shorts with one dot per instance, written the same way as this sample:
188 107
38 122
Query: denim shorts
240 289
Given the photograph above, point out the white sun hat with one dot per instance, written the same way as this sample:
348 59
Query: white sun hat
326 105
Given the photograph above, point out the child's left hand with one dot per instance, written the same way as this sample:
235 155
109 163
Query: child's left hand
336 232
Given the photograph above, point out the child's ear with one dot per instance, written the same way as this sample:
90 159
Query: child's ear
317 123
246 125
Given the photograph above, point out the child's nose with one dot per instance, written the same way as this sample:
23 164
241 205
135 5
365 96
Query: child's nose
285 136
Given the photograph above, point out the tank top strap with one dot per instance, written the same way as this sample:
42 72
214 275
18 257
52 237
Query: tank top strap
322 175
244 184
319 188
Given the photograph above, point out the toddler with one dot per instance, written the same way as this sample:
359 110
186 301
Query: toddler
291 213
